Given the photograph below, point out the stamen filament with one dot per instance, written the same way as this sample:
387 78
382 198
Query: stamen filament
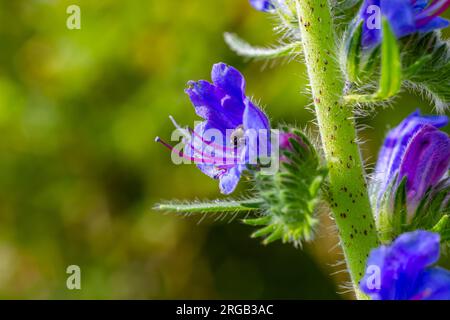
210 157
211 143
213 161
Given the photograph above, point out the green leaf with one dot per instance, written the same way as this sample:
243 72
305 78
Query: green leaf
211 206
244 49
354 53
391 70
391 67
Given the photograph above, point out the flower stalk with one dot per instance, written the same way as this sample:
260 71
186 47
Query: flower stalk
348 195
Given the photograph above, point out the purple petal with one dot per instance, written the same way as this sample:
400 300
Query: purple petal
419 5
433 284
434 24
229 80
215 105
254 118
405 17
432 11
426 160
230 180
199 149
256 125
377 259
401 265
399 13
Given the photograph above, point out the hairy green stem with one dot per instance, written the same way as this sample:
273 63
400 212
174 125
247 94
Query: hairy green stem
347 185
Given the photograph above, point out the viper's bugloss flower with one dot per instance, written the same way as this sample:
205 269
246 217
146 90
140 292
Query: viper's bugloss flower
404 16
404 271
233 130
263 5
415 149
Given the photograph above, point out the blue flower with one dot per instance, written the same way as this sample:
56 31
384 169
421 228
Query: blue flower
263 5
404 16
404 271
233 130
417 150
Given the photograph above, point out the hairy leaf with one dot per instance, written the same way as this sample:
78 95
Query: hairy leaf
211 206
242 48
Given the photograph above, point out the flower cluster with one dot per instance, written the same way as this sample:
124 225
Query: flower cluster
411 173
415 155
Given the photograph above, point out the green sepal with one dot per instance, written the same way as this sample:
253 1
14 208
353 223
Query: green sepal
431 213
261 221
392 218
443 228
433 207
291 195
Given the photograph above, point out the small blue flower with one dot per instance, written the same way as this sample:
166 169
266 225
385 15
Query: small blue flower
417 150
404 16
262 5
220 145
404 271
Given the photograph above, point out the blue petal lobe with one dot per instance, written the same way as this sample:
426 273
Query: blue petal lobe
433 284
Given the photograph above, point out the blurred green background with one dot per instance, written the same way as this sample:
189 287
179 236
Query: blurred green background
80 173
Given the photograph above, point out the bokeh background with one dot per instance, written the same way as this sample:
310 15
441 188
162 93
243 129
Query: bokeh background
80 172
